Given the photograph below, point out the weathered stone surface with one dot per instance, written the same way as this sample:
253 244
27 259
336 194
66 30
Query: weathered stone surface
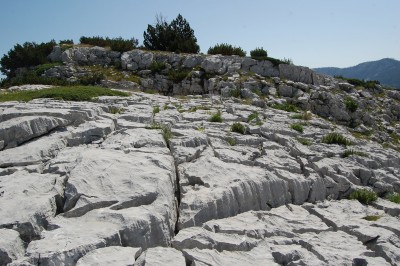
161 256
11 246
119 256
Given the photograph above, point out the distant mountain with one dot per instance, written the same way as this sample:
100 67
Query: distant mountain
386 71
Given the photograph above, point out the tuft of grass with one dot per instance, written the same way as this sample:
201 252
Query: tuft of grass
286 107
351 104
238 128
231 141
115 110
364 196
394 197
252 117
335 138
305 142
69 93
235 93
351 152
167 133
306 115
165 107
297 127
372 218
216 118
156 109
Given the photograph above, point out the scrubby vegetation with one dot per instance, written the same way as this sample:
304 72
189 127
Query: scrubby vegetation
364 196
178 75
226 49
335 138
157 67
238 128
231 141
259 54
393 197
217 117
304 141
176 36
351 152
73 93
298 127
360 83
286 107
351 104
116 44
306 115
27 55
156 109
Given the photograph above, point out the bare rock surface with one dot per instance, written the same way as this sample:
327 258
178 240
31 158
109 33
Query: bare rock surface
162 182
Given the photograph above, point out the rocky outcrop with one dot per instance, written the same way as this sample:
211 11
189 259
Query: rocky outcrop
80 183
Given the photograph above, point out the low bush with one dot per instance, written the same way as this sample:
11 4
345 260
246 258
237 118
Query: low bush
178 75
362 83
216 118
238 128
226 49
364 196
351 152
259 54
351 104
335 138
393 197
286 107
157 67
66 42
71 93
297 127
117 44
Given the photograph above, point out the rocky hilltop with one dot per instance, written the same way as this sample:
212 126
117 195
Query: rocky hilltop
254 164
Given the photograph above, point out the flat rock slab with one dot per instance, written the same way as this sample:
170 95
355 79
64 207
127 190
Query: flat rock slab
118 256
161 256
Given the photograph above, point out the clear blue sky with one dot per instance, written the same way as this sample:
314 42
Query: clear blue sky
313 33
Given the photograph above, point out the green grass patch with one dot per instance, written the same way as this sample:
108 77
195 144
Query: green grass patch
335 138
238 128
73 93
364 196
372 218
304 141
216 118
156 109
116 110
393 197
297 127
231 141
286 107
306 115
351 152
351 104
178 75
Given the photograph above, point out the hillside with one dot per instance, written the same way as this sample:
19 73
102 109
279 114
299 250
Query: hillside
202 160
386 71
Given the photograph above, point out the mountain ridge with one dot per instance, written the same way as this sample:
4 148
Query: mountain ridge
386 71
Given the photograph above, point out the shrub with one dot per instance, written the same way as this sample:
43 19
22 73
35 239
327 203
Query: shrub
71 93
26 55
31 77
217 118
156 109
238 128
178 75
394 197
364 196
40 69
259 54
66 42
177 36
117 44
352 152
335 138
297 127
285 107
226 49
362 83
157 67
351 104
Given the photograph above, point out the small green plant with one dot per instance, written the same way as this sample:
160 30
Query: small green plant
216 118
252 117
364 196
201 128
226 49
231 141
351 104
165 107
372 218
335 138
306 115
115 110
157 67
156 109
297 127
238 128
304 141
351 152
167 133
71 93
235 93
178 75
393 197
259 54
286 107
